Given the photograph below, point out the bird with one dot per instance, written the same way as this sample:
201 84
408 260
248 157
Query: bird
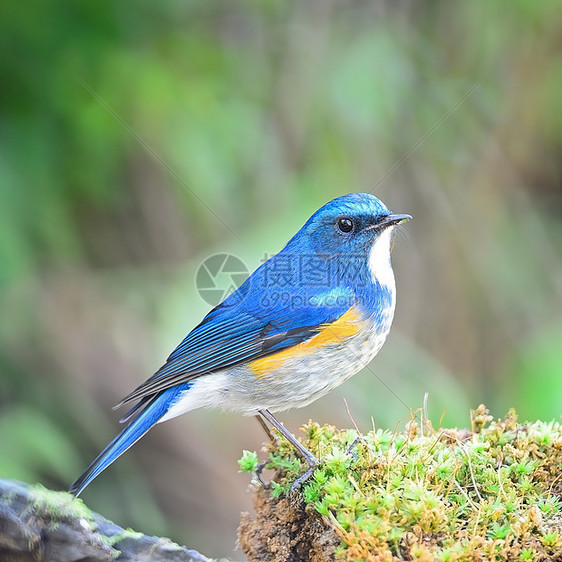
305 321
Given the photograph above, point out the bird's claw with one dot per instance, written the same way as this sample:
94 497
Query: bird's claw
298 483
350 450
312 462
258 473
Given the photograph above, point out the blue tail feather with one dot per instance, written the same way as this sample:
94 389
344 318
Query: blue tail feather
149 415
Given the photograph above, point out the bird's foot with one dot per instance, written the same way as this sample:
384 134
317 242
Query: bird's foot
312 462
259 471
298 483
350 452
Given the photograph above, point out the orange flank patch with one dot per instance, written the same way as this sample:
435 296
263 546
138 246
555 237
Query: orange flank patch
345 326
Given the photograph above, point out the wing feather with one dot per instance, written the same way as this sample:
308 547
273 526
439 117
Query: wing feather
228 336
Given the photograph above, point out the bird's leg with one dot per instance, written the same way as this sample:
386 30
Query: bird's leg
310 459
303 451
261 466
265 428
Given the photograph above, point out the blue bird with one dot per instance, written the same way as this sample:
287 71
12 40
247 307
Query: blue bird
305 321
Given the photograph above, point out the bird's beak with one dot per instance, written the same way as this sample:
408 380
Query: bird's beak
392 220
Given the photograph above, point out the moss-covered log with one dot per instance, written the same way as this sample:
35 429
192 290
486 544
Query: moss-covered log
491 492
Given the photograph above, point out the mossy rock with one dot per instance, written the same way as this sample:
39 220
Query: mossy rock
40 525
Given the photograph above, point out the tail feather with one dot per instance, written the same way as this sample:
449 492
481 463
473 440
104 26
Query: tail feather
152 410
130 413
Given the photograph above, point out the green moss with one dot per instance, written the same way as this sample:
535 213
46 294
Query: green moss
451 495
58 506
116 539
249 461
125 534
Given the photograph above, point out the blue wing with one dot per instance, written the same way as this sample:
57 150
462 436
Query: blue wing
248 330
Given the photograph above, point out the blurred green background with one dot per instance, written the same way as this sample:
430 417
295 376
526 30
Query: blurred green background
263 110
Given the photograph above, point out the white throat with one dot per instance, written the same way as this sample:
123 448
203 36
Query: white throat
379 260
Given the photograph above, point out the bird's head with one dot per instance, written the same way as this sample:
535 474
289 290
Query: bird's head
355 226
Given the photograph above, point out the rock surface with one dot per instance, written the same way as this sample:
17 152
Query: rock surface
38 525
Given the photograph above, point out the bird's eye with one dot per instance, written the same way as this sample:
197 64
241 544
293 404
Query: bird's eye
345 224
